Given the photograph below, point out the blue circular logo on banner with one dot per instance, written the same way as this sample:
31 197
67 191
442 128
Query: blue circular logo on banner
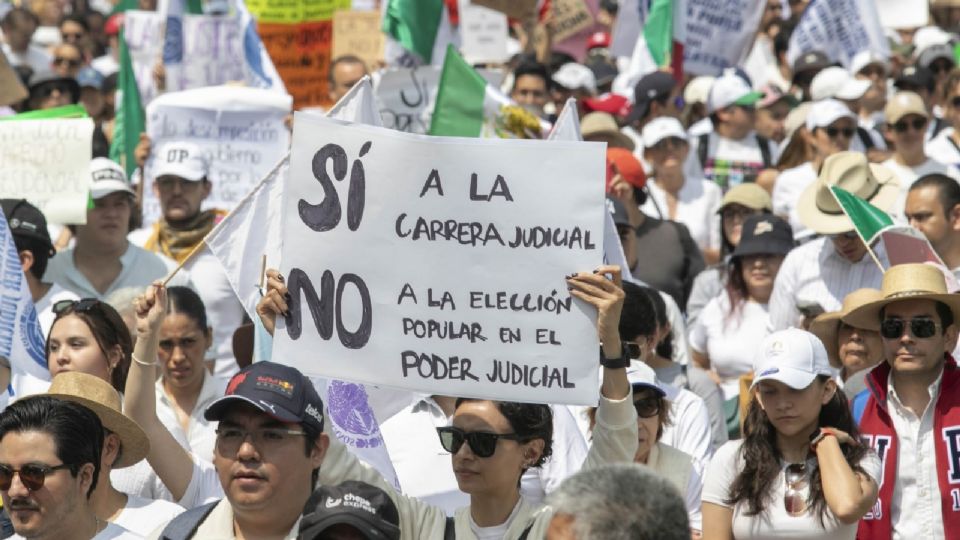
173 43
31 336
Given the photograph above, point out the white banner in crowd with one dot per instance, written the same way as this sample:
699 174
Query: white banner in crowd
840 29
483 34
437 264
241 129
709 23
143 31
903 14
406 96
47 162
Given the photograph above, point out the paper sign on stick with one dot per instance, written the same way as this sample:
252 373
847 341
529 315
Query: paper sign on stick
570 18
358 33
903 13
437 264
47 162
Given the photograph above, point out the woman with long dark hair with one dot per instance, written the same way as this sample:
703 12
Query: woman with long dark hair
799 471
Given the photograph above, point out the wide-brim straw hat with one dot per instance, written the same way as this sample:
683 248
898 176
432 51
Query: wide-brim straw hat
850 171
97 395
827 325
905 282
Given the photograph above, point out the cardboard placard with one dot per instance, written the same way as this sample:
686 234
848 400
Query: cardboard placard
515 9
358 33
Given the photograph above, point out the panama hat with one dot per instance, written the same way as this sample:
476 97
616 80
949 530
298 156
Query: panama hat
827 325
97 395
850 171
917 281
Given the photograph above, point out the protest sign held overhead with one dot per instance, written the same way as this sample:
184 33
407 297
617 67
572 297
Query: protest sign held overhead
358 33
483 33
459 286
47 162
840 29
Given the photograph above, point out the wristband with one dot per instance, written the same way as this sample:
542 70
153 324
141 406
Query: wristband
141 362
819 436
616 363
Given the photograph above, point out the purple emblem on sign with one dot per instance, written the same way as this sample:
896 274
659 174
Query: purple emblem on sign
349 409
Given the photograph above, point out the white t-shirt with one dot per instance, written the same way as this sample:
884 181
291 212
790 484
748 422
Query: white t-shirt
142 516
697 204
34 57
786 192
44 306
200 436
728 341
775 522
732 162
943 149
110 532
909 175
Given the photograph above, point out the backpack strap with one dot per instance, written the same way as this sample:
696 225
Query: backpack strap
526 533
184 526
938 125
449 530
859 405
765 156
865 138
703 146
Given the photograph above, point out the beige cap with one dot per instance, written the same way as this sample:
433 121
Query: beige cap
750 195
902 104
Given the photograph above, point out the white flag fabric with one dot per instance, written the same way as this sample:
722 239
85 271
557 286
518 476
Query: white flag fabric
259 69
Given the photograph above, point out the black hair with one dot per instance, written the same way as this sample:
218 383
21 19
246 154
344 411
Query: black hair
558 59
943 312
665 346
310 436
948 190
110 83
79 18
344 59
638 317
531 68
18 16
40 251
100 144
109 331
530 421
76 431
186 301
781 42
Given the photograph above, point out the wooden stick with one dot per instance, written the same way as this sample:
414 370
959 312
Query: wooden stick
196 249
263 270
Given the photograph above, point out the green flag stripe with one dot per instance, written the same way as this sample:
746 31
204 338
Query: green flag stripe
129 123
414 24
658 30
66 111
867 218
459 108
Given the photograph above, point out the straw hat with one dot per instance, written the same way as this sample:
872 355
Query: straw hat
850 171
601 126
97 395
905 282
827 325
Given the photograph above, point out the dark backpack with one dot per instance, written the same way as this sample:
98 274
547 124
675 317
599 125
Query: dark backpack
865 138
184 526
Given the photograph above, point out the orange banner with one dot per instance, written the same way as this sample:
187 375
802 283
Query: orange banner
301 53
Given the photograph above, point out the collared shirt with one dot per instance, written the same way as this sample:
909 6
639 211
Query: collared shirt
139 268
915 509
815 272
200 436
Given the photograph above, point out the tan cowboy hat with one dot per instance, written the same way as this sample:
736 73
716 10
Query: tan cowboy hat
905 282
827 325
601 126
97 395
850 171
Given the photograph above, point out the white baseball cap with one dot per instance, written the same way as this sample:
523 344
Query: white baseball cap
641 375
661 128
825 112
181 159
731 89
574 76
793 357
929 36
108 177
836 82
698 89
866 57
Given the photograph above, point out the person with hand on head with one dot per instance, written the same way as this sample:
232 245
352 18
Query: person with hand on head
909 412
852 351
933 207
800 470
493 442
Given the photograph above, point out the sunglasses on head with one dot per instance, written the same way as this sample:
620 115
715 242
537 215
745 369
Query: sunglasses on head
920 327
32 475
647 407
482 444
82 305
902 126
832 132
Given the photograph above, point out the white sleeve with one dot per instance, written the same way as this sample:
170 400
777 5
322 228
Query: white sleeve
204 484
698 332
720 474
781 203
783 308
692 497
678 329
569 450
713 218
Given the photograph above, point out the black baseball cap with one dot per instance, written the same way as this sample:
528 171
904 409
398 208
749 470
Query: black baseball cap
618 211
915 77
279 391
765 234
27 221
365 507
653 86
810 61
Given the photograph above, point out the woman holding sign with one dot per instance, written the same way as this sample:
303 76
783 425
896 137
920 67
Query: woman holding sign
493 442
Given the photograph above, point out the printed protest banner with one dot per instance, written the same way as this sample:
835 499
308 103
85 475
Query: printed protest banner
358 33
47 162
903 14
240 128
483 33
406 96
144 31
459 285
839 28
733 23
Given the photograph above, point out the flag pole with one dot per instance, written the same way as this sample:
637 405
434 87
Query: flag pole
188 258
857 230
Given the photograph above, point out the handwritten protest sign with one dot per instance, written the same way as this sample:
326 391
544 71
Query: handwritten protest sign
734 25
437 265
839 28
240 129
483 33
358 33
406 96
47 162
212 53
573 22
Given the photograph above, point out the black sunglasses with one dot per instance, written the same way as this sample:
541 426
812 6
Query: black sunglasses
72 62
917 124
82 305
920 327
647 407
832 132
48 90
482 444
32 476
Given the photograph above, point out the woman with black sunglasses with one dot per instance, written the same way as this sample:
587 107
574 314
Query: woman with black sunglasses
799 471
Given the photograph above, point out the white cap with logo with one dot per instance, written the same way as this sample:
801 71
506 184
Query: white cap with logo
793 357
108 177
181 159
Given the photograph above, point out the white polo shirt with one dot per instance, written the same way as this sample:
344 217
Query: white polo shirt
200 436
139 269
697 204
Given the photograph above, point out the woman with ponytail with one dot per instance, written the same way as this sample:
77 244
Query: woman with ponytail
799 471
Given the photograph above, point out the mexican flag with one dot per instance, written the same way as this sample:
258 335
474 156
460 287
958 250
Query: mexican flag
665 32
467 106
129 122
414 25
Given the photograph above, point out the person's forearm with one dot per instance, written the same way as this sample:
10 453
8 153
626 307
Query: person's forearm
842 487
615 383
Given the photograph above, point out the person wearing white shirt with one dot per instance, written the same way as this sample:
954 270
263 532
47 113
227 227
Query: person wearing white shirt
907 119
817 276
691 201
18 25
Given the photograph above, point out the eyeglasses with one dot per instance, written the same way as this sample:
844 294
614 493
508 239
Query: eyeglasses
647 407
82 305
832 132
72 62
793 500
32 475
917 124
920 327
481 443
229 439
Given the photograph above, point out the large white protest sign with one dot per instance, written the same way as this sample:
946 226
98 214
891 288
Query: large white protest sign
406 95
47 162
483 34
143 31
240 129
840 29
437 264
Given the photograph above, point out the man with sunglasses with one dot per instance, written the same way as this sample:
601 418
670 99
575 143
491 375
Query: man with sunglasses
49 90
67 60
49 463
910 412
